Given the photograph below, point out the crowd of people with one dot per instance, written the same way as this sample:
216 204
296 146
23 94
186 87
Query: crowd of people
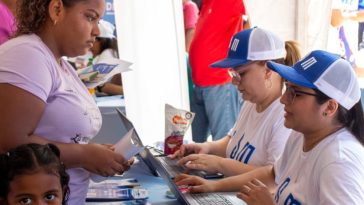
297 139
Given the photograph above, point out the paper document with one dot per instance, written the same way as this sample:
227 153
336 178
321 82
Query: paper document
128 145
100 73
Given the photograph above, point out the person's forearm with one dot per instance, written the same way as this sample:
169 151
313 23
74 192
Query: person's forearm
357 16
112 89
231 167
218 147
71 154
189 36
234 183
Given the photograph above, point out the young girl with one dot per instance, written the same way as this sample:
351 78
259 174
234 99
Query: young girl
33 174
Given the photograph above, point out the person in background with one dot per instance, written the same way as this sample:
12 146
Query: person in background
259 135
106 47
190 16
42 100
33 174
7 19
215 100
322 162
345 17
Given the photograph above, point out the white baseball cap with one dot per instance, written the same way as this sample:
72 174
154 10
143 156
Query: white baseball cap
252 45
326 72
106 29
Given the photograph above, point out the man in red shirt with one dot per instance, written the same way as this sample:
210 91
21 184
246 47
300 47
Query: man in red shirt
215 100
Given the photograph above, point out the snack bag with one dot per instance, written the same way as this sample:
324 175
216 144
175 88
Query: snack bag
177 123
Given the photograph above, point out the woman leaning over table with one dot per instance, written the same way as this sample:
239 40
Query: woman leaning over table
259 135
323 159
41 98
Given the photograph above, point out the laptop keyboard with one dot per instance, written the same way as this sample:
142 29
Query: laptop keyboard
211 199
171 166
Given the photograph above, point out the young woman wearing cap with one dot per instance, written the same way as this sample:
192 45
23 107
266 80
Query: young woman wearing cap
106 46
259 136
42 100
322 162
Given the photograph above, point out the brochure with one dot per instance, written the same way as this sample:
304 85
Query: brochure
128 146
100 73
117 190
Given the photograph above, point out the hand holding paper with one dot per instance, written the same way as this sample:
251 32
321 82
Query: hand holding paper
129 145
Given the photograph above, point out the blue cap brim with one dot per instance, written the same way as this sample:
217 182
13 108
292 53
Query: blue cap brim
229 63
290 74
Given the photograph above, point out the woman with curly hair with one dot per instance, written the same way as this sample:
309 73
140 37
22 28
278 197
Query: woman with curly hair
42 99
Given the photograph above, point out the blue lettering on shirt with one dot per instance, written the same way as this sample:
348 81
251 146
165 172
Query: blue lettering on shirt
290 200
242 154
281 188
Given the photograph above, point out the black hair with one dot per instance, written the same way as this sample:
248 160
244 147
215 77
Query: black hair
106 43
29 158
352 119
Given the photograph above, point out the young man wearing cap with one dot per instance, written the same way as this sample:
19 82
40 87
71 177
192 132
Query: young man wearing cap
259 136
323 160
215 100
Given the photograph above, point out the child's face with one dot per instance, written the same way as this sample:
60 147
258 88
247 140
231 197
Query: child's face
38 188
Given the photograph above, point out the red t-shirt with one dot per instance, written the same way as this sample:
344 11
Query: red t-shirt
219 20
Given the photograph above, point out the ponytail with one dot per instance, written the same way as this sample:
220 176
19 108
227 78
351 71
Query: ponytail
293 53
353 119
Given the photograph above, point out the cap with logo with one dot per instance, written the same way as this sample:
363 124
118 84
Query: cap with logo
326 72
106 29
253 44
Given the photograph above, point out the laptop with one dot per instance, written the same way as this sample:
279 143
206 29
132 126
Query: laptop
170 165
150 157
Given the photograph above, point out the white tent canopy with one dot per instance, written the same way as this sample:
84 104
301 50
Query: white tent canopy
306 21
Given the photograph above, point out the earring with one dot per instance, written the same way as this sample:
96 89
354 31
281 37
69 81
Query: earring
54 22
324 114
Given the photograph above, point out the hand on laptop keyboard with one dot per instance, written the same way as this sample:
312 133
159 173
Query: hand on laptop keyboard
187 149
196 184
206 162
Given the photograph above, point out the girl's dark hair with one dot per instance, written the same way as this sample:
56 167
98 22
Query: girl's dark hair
31 15
352 119
106 43
29 158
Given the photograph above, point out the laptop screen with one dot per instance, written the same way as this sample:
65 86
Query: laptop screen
144 155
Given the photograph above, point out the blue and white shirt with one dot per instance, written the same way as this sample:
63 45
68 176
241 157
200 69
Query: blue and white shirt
331 173
258 138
